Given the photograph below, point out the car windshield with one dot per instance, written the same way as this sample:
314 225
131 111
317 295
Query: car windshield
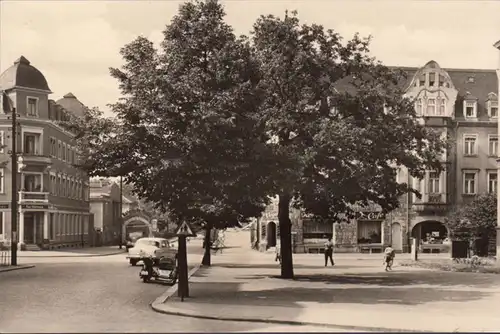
148 242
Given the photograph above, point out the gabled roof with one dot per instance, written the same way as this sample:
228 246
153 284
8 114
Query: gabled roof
72 104
476 83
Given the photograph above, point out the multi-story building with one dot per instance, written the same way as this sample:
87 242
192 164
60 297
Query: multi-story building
463 105
53 194
497 45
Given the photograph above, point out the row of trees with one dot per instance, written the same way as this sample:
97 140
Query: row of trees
211 125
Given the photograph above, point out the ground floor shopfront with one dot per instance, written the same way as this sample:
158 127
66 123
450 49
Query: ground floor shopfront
45 227
370 232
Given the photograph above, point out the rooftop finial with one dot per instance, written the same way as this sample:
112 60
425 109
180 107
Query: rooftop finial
22 60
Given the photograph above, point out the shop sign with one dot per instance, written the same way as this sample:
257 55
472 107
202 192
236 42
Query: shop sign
370 215
35 206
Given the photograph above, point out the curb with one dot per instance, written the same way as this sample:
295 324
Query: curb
172 290
83 255
155 307
12 268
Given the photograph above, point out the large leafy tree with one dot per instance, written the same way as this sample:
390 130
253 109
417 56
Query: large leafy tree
339 123
474 221
189 138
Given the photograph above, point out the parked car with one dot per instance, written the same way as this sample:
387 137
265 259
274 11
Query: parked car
146 247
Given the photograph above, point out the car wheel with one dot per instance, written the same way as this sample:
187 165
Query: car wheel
133 262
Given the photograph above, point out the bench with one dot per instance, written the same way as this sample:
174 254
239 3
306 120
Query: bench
370 249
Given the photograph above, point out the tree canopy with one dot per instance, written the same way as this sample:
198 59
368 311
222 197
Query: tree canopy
189 138
340 121
211 125
475 220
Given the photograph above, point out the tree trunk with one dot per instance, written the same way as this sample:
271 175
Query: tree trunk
285 236
207 256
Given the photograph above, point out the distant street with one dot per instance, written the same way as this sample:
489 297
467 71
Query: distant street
96 294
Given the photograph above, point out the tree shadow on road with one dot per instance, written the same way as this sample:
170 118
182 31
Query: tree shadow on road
230 293
405 279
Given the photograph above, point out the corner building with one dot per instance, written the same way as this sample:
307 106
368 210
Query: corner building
459 103
53 194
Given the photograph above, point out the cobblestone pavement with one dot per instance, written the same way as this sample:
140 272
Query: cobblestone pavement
97 295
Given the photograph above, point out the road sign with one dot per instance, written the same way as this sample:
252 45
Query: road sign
185 230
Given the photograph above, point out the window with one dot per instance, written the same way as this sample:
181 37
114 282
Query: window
32 106
431 107
434 183
52 230
369 232
470 183
32 143
432 79
59 149
492 182
470 142
32 182
493 145
63 156
492 108
2 181
2 141
418 107
470 109
441 106
2 227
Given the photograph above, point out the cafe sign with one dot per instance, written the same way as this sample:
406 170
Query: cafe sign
369 215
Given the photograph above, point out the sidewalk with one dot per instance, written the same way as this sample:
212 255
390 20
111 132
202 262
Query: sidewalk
74 252
242 286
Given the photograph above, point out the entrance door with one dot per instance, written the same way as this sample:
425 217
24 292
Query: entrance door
397 237
271 234
29 228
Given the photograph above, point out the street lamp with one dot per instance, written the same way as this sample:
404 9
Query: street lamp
120 213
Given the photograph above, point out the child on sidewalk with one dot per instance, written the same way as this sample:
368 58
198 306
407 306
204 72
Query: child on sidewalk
389 255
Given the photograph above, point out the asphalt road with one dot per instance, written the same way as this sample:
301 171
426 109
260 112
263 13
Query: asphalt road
99 294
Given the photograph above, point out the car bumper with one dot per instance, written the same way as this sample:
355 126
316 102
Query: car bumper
133 257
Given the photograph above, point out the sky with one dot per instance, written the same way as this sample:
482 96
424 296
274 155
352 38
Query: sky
73 43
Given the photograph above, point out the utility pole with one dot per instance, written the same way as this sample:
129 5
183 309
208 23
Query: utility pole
121 214
13 210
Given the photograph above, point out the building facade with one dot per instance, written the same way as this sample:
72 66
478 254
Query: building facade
53 194
497 46
461 105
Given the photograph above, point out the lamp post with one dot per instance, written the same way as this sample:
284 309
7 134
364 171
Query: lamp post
121 214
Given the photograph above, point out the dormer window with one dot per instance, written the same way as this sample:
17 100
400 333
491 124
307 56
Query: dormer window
432 79
32 106
492 105
470 108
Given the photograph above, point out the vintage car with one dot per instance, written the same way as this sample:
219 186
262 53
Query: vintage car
150 247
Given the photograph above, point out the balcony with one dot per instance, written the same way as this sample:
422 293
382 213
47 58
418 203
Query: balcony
33 159
33 197
432 202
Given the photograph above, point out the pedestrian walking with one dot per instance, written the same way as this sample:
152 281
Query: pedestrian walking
389 255
278 253
329 252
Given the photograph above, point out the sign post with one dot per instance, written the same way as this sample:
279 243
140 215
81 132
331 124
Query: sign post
183 232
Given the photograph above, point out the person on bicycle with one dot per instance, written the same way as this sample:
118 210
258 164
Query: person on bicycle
389 255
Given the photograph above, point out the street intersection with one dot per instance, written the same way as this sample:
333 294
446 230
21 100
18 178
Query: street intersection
97 294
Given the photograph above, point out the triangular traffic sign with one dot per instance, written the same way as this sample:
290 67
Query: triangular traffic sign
185 230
